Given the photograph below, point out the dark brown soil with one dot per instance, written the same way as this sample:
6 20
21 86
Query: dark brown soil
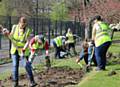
55 77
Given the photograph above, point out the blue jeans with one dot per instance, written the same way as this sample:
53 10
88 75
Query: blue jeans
100 53
87 57
15 60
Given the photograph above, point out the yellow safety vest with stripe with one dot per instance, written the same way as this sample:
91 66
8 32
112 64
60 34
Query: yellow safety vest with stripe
58 41
36 45
102 34
19 39
70 38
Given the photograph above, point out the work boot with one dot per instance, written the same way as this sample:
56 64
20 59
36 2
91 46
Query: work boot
33 84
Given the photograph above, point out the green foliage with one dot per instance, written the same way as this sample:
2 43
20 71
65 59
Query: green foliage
59 11
6 7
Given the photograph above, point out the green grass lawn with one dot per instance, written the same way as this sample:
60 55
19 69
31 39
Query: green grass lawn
101 79
114 48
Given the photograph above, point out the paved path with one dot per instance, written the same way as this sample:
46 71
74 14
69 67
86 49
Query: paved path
6 67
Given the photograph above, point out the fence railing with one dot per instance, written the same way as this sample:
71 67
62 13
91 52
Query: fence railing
42 25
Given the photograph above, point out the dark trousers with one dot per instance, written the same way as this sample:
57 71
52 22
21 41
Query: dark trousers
72 45
100 53
57 50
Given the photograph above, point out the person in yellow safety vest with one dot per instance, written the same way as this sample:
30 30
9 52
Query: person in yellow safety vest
57 43
39 43
70 41
19 37
102 40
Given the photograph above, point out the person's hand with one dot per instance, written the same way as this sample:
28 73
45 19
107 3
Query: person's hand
33 50
47 53
5 31
23 50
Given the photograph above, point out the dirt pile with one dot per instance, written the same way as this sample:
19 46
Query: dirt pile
55 77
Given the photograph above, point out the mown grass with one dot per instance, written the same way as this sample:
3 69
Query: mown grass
101 79
114 48
8 73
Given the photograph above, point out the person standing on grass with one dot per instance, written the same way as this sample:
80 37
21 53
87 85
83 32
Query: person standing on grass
102 40
19 37
70 41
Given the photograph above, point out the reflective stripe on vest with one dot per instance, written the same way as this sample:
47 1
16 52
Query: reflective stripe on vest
36 45
19 40
102 34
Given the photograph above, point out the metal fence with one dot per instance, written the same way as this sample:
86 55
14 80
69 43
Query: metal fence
40 25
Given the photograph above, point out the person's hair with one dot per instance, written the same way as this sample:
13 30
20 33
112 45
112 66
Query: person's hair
98 17
23 19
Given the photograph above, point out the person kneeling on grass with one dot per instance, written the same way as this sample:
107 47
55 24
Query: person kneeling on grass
39 43
87 53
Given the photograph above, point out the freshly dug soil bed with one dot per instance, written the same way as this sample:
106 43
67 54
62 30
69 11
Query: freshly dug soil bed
55 77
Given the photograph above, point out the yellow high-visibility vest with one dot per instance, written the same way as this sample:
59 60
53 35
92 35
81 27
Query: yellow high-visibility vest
102 34
19 39
70 38
58 41
36 45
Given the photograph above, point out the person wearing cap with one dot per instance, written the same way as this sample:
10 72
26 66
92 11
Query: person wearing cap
102 40
38 43
19 37
70 41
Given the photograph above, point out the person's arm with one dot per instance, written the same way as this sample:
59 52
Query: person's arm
25 46
32 41
13 30
94 32
46 48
